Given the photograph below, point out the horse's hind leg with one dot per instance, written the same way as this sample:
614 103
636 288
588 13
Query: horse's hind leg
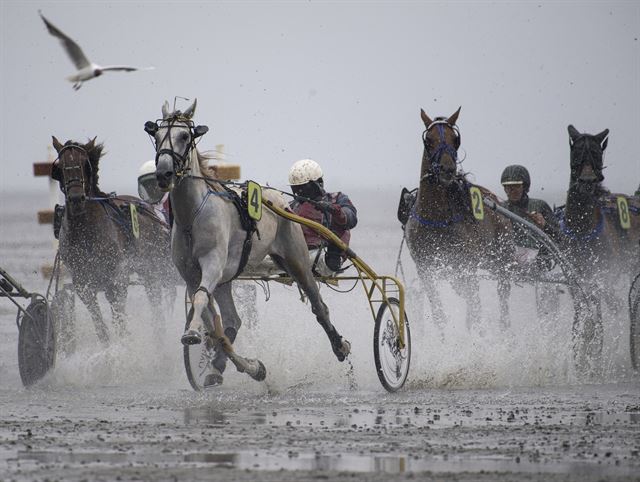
469 288
154 293
117 297
230 321
504 290
426 279
90 300
296 264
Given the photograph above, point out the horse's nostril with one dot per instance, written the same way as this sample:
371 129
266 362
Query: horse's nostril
167 175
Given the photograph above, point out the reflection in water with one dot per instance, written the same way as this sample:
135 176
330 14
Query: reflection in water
389 464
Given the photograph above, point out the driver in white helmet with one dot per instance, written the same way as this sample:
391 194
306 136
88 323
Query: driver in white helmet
333 210
150 192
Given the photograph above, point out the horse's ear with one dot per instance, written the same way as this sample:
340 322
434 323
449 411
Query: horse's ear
425 118
56 144
91 144
165 110
454 117
190 110
573 133
603 138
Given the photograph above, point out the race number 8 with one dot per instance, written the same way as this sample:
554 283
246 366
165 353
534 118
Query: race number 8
623 212
254 200
477 206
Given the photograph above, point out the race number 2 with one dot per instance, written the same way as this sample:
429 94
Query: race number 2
135 226
254 200
477 206
623 212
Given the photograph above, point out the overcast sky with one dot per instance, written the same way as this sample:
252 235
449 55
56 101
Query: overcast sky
340 82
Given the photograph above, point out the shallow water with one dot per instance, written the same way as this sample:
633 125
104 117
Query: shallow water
476 402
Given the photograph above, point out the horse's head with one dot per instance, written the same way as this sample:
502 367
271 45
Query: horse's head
441 140
76 170
586 159
174 137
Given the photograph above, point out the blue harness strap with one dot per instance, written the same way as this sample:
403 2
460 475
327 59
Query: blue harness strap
435 224
577 237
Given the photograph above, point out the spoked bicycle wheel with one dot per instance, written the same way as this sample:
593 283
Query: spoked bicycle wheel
392 362
634 319
36 343
197 358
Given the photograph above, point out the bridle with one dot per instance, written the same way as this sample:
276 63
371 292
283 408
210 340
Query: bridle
589 152
73 176
180 160
434 155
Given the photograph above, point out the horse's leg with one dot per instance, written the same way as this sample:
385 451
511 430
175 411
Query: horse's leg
90 299
504 291
231 323
116 295
426 279
468 287
154 293
296 264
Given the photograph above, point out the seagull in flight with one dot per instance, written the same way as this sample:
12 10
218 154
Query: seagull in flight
86 69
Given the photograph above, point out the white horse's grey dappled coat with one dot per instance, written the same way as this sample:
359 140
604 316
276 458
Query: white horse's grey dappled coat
208 238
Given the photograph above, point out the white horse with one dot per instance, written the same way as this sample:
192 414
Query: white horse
210 246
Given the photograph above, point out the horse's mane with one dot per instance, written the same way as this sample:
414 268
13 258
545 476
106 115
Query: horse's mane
94 153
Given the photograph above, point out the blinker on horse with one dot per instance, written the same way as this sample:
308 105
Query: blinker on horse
211 246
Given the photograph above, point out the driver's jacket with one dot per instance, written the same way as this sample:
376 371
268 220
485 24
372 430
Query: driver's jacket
528 205
340 218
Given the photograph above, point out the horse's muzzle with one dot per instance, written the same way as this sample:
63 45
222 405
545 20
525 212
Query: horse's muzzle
165 180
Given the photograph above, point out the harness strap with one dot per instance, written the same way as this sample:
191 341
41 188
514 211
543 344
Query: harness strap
577 237
248 224
435 224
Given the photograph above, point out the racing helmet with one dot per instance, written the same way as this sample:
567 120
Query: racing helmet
516 174
304 171
148 188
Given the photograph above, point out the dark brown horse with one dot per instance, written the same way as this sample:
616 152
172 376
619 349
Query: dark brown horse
443 235
601 230
103 240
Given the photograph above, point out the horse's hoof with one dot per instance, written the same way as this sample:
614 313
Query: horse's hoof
191 337
261 374
342 350
213 379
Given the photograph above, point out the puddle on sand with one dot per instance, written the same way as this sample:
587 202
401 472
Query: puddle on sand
391 464
364 417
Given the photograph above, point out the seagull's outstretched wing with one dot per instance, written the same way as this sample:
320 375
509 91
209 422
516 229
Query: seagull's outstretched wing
78 57
125 68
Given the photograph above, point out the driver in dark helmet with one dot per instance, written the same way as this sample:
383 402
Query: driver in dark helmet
516 182
333 210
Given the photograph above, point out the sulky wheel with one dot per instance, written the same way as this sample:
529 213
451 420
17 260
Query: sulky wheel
36 342
392 362
198 358
634 319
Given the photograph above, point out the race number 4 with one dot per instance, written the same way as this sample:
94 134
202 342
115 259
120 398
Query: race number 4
135 226
477 206
623 212
254 200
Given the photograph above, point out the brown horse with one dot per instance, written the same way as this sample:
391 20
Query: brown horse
103 240
601 230
443 235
